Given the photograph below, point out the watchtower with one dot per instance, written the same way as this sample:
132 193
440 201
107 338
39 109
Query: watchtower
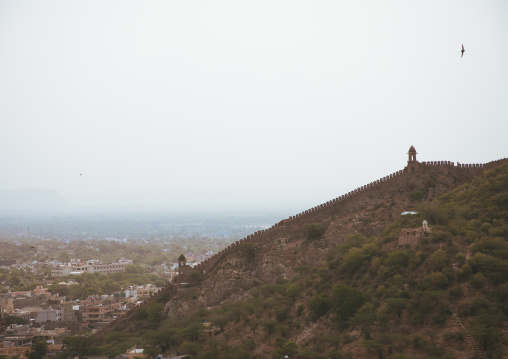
412 155
182 262
412 163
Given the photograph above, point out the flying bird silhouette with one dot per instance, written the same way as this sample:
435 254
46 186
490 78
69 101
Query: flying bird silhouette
462 51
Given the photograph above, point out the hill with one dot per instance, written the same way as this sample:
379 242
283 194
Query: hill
352 278
32 201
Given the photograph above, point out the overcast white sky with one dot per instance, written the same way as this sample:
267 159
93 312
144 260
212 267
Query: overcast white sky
318 96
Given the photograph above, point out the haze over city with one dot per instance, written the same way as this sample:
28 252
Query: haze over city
266 105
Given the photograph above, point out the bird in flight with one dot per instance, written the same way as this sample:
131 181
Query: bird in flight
462 51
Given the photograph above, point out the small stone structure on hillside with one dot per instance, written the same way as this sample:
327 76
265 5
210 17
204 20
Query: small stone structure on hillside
208 331
184 270
410 236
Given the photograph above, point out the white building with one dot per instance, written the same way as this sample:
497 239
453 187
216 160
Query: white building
92 266
49 315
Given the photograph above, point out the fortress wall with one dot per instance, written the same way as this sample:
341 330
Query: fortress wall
208 265
490 165
306 216
479 166
468 166
335 205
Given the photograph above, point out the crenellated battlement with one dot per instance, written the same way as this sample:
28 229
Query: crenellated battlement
475 169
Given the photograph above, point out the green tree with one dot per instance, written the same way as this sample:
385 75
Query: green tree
163 339
313 230
288 348
436 280
154 312
134 269
355 240
396 305
438 260
417 195
365 319
374 347
61 290
395 262
293 290
39 350
248 250
355 260
319 305
347 300
492 267
81 345
486 327
11 319
269 325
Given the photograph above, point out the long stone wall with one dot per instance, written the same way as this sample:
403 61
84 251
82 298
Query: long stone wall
490 165
206 266
451 164
483 166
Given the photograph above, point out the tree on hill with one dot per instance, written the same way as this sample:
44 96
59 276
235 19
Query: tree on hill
39 350
313 230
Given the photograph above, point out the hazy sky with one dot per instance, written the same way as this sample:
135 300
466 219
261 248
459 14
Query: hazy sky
318 96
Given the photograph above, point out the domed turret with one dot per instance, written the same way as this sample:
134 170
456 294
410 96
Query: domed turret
412 154
182 258
182 262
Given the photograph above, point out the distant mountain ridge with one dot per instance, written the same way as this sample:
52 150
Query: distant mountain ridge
32 200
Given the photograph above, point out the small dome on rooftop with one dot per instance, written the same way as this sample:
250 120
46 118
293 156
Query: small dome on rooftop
182 258
412 149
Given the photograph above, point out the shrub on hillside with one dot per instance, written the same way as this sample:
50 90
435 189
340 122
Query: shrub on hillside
347 300
249 251
269 325
313 230
319 305
293 290
417 195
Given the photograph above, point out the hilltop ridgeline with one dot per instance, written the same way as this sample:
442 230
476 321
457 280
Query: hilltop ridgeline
460 173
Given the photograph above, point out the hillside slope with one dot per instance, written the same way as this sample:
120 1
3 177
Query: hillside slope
336 283
279 252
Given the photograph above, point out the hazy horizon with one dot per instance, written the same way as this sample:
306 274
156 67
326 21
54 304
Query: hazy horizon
50 201
268 105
